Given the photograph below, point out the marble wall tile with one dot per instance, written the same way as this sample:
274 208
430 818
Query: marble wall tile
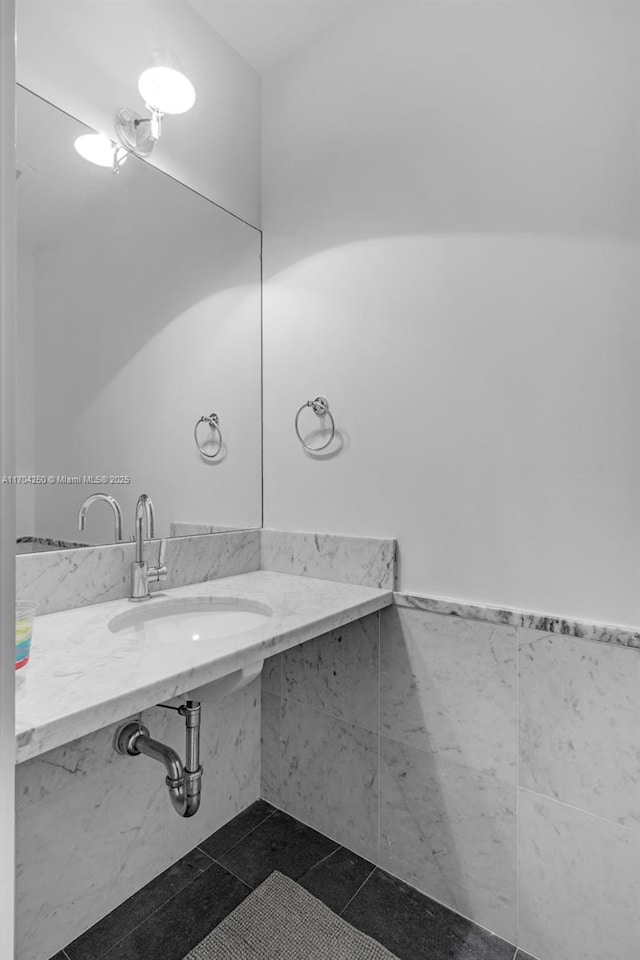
448 687
271 778
64 579
72 578
451 832
196 559
84 816
363 560
579 884
330 776
93 826
337 673
580 724
272 674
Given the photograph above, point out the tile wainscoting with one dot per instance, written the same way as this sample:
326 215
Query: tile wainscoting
494 767
93 827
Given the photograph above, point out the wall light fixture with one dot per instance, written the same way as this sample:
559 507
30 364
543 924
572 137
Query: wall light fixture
163 90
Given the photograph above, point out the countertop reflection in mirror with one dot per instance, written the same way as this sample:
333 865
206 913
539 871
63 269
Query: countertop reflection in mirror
138 306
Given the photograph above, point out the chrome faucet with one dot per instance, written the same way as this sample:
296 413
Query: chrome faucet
113 503
141 573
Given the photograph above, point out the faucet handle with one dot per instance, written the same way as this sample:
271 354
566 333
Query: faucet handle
159 573
162 569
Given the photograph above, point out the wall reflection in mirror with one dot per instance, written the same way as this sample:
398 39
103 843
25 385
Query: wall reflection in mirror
138 314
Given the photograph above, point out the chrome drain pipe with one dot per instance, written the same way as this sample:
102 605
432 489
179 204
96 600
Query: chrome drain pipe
184 782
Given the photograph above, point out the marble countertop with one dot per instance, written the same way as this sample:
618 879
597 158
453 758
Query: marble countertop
82 677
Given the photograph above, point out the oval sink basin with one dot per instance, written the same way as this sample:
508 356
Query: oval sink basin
189 619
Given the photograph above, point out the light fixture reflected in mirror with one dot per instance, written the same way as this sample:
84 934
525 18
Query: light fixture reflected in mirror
98 149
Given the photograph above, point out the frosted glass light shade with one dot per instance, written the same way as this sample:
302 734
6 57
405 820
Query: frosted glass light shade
166 90
96 148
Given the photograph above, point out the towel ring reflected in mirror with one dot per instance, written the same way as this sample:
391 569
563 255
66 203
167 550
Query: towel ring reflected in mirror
213 420
320 407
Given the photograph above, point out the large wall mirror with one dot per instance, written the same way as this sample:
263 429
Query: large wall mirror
138 313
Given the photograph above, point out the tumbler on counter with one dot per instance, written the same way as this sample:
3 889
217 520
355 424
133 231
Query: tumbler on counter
25 615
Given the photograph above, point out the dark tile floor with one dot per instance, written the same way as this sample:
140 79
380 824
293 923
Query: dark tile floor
174 912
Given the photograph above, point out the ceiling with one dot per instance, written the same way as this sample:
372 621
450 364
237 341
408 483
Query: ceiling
266 32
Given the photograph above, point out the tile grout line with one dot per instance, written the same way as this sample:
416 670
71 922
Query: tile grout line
351 899
234 845
327 856
587 813
234 875
325 713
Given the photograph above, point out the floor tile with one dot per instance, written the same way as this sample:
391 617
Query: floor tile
523 956
279 843
185 920
59 956
116 925
416 928
227 836
337 878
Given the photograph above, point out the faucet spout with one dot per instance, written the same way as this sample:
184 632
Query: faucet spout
144 513
111 501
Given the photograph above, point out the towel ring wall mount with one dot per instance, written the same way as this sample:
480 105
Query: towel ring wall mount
320 407
213 420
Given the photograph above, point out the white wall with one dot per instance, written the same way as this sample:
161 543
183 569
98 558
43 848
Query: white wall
25 392
450 205
86 56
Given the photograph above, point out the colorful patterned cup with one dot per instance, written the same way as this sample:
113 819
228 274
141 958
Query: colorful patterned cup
25 615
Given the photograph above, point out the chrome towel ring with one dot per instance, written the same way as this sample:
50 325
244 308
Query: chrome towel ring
320 407
214 422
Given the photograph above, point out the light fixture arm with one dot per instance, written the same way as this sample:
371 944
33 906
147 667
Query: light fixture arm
155 124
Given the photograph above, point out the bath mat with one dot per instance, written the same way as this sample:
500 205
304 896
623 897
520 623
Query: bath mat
281 921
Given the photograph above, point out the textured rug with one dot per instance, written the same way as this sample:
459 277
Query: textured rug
281 921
